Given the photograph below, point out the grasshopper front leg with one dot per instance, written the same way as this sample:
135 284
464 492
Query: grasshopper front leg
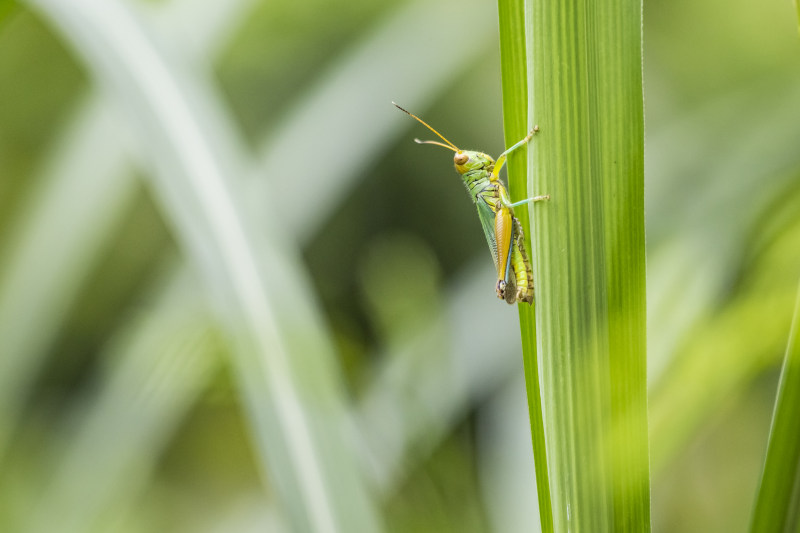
501 160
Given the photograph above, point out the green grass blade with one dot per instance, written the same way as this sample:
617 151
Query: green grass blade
777 507
511 14
585 83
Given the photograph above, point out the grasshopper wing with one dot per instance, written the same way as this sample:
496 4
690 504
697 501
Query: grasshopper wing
487 216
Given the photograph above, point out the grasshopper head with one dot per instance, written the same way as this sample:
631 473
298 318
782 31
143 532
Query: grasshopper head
466 160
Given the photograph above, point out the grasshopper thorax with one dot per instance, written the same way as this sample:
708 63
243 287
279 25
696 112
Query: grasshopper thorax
468 160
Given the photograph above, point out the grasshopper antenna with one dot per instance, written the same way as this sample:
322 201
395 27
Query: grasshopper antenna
449 145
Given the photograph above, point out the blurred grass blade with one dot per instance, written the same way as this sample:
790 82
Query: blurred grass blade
585 85
50 230
283 358
91 163
80 166
511 14
692 336
201 33
777 508
155 371
506 463
420 390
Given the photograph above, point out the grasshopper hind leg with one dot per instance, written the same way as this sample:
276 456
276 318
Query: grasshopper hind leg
504 238
506 283
522 266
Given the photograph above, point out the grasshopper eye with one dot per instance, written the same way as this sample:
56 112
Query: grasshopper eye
461 159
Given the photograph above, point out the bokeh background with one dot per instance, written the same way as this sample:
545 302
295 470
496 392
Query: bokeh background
119 410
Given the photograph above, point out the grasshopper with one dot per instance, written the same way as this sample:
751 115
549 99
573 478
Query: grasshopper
502 229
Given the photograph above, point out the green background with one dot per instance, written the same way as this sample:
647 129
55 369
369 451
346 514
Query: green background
121 410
